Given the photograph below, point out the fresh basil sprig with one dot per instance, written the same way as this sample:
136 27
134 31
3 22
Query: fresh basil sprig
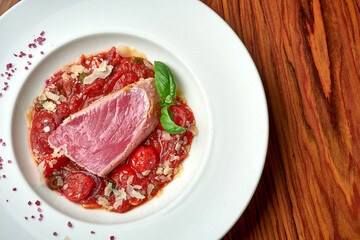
166 87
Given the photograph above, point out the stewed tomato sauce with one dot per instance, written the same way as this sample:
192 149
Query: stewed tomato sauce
152 165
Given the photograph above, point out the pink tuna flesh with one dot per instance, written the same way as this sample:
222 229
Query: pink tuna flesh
103 135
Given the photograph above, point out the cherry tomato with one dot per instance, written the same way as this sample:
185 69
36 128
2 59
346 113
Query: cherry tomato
52 164
122 175
144 159
179 115
77 186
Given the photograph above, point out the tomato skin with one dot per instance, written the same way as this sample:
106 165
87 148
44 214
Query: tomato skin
144 159
52 164
122 174
78 186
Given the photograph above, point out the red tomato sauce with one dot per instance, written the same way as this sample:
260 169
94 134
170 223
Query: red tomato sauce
147 170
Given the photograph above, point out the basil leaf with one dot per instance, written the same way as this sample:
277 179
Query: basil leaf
168 124
164 80
162 103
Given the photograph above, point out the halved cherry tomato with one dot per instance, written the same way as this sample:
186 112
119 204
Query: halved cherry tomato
52 164
144 159
77 186
122 174
179 115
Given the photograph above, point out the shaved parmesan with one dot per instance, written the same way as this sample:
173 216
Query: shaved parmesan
52 96
50 106
101 72
76 69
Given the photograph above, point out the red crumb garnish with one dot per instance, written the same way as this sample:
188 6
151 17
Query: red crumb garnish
9 161
69 224
55 234
14 189
32 216
26 218
92 232
29 203
39 210
37 203
112 238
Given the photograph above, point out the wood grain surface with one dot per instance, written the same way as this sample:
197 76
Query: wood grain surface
308 55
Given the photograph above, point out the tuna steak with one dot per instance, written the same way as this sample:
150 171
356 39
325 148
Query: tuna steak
103 135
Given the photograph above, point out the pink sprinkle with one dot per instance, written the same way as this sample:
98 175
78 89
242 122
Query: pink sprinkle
4 144
42 33
39 209
55 233
40 215
8 78
15 55
112 238
28 62
9 161
2 75
47 81
40 40
14 189
42 53
12 70
32 45
1 140
30 55
7 200
92 232
4 176
26 68
6 83
0 94
29 203
26 218
69 224
8 66
40 219
32 216
1 168
37 203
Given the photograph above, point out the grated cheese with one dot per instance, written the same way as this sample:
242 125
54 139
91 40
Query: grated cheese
101 72
52 163
103 202
52 96
77 69
50 106
159 170
108 189
47 129
65 77
42 97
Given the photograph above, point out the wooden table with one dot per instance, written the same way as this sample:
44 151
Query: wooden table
308 56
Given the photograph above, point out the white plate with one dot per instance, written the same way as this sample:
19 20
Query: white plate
211 67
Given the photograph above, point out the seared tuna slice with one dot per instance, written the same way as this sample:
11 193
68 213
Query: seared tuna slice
103 135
